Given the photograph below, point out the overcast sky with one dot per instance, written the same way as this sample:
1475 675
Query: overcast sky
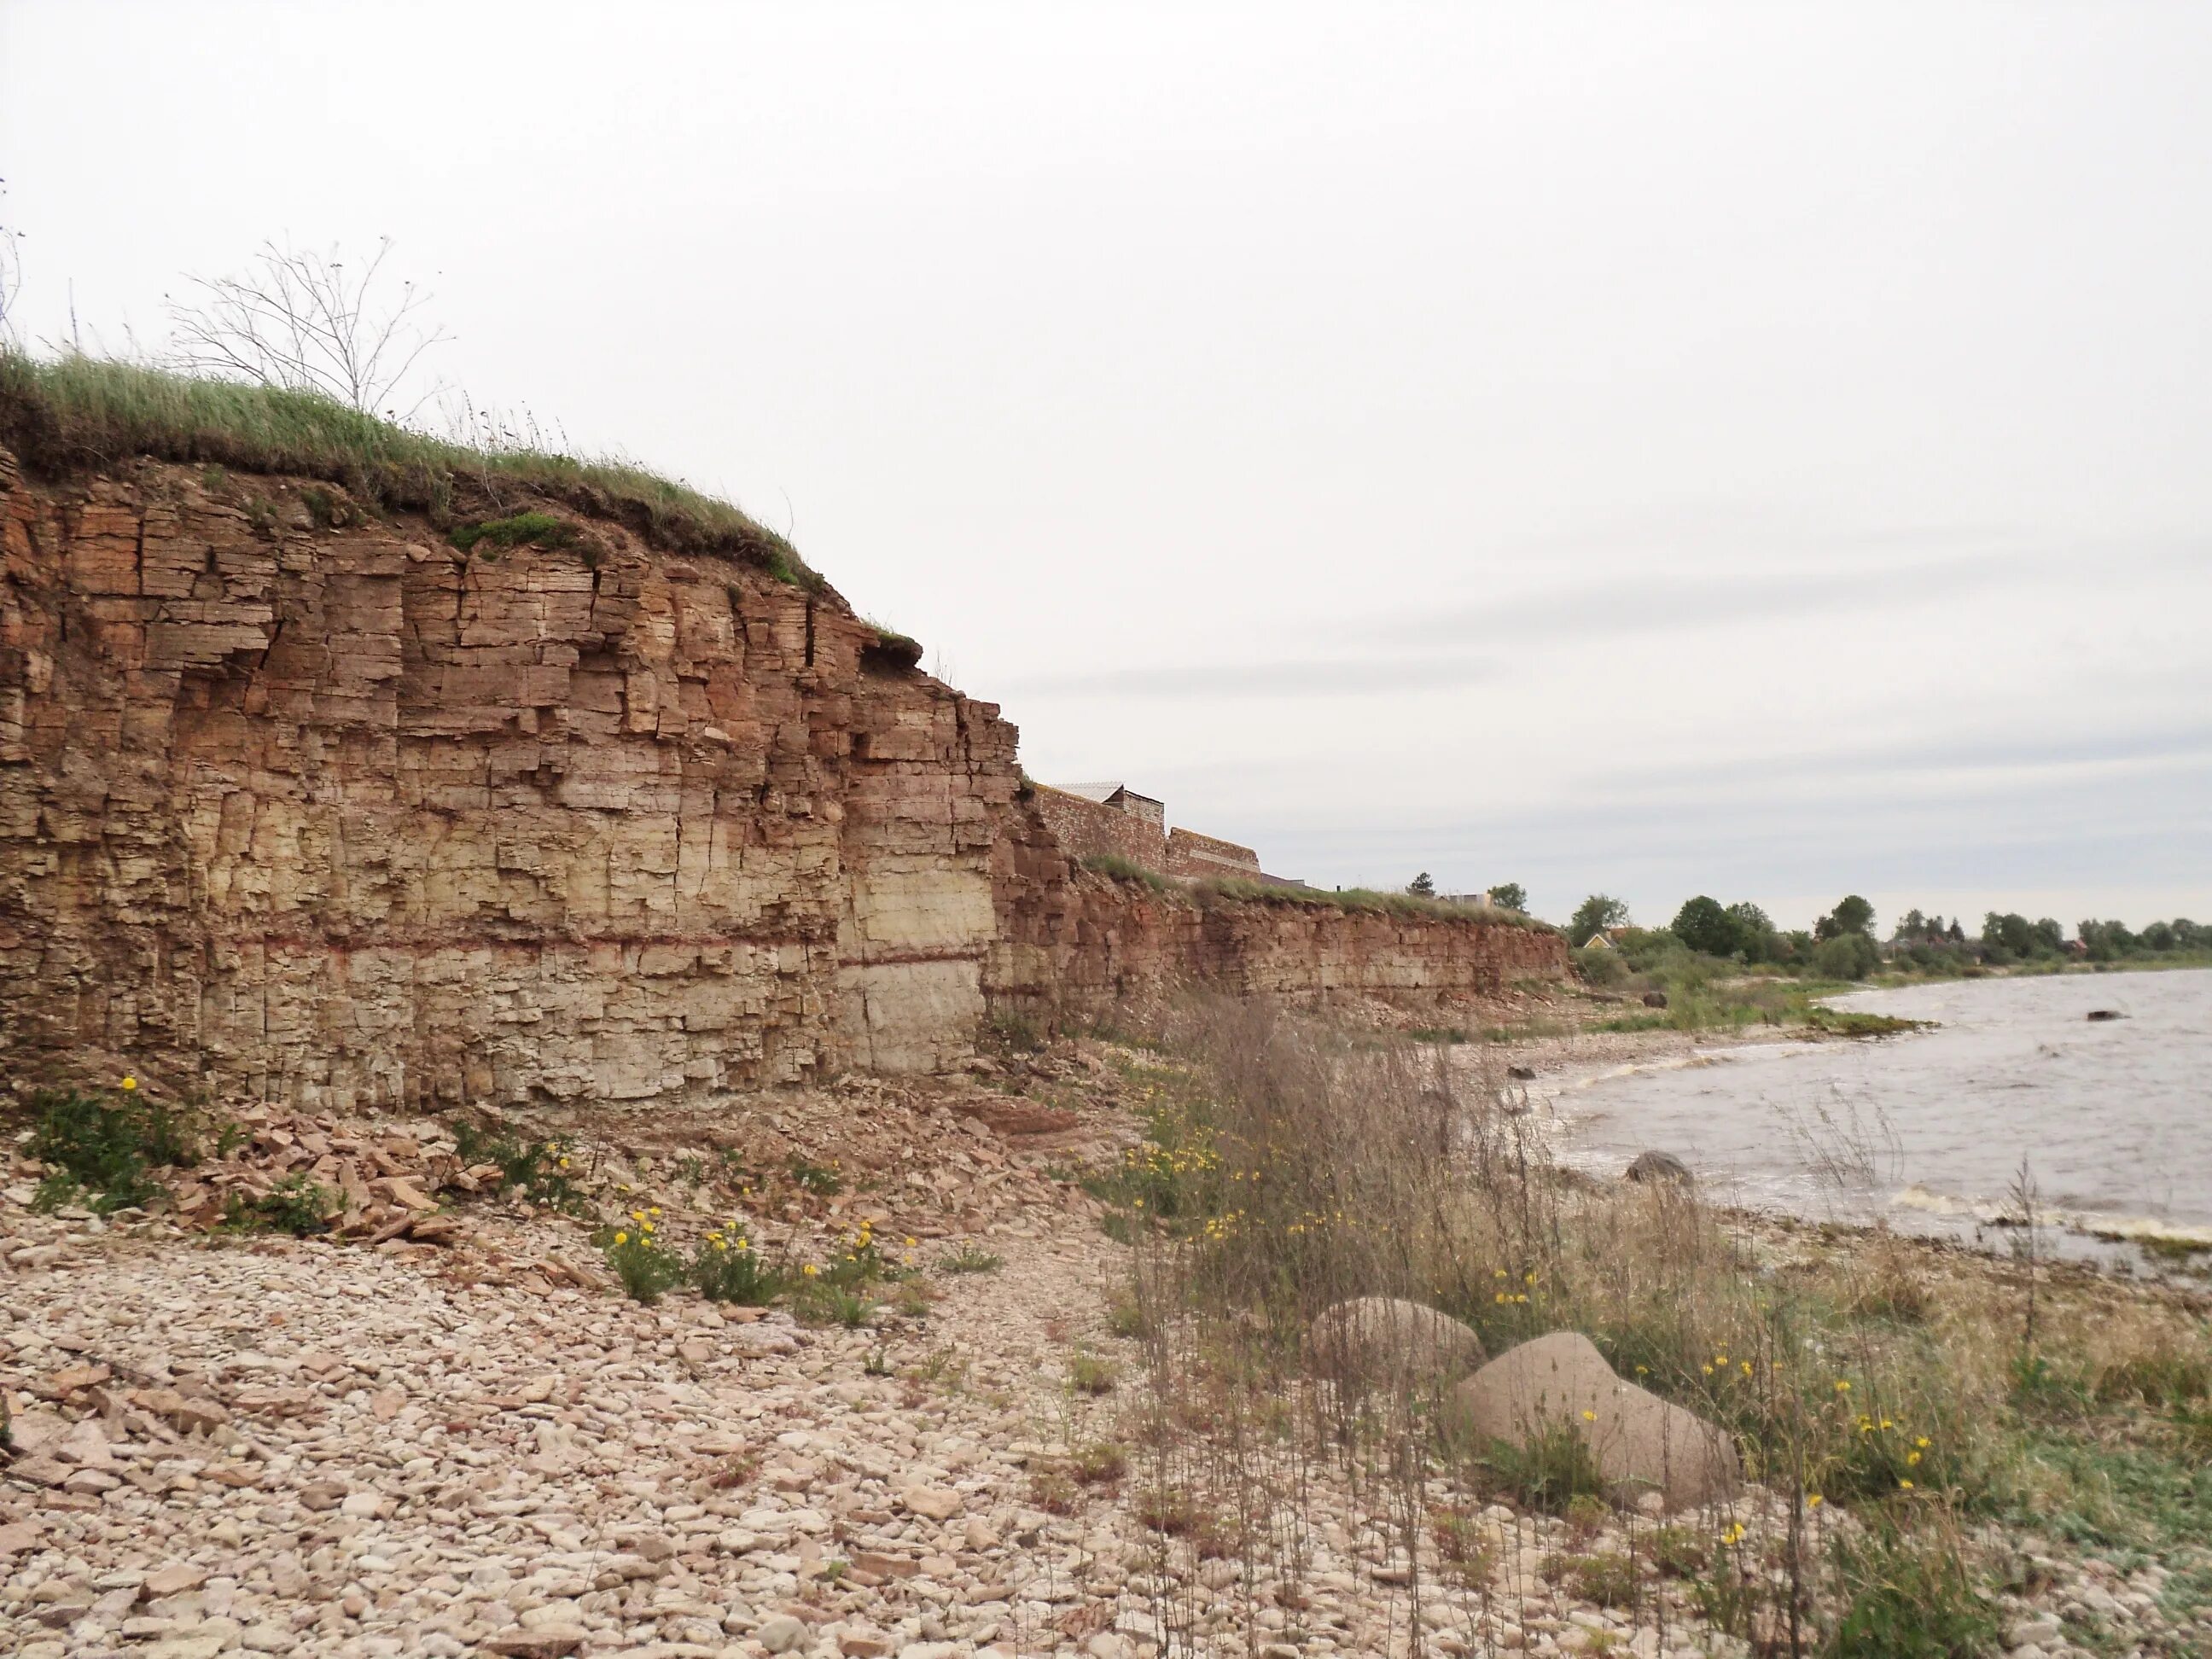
1654 450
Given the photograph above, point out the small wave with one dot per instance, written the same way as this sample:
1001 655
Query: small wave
1931 1202
2135 1229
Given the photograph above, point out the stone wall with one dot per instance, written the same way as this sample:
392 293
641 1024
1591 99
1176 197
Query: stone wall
1088 828
1193 857
339 813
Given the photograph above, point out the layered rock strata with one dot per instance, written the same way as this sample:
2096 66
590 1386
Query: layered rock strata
308 803
318 801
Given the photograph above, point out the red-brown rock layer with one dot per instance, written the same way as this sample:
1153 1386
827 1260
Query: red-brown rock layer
305 801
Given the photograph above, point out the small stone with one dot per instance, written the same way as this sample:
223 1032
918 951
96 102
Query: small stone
187 1647
173 1580
780 1633
937 1503
537 1642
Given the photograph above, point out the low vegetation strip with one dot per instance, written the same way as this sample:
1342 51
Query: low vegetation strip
1928 1444
1236 889
75 413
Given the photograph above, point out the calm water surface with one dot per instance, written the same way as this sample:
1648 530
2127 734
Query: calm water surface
2115 1118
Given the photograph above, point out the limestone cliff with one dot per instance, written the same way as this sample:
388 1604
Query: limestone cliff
300 798
1069 940
315 799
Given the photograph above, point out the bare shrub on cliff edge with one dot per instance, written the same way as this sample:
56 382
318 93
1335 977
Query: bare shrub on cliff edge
309 321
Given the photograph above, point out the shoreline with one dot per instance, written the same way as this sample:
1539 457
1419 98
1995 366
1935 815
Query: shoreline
2129 1246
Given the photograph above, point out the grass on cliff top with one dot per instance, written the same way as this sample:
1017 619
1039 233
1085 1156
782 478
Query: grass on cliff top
1363 899
74 413
1216 890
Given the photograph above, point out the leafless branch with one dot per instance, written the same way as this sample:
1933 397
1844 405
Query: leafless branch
305 321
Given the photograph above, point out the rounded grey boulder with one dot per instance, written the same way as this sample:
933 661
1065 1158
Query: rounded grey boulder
1373 1338
1661 1166
1640 1442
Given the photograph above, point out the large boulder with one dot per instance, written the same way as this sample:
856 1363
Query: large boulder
1661 1166
1640 1444
1379 1338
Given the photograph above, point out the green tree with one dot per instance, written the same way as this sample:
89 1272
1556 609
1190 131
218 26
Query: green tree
1846 956
1422 885
2008 938
1593 916
1508 895
1703 925
1853 916
1754 932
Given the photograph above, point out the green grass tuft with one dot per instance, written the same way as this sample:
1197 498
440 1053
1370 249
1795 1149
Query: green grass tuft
74 414
521 530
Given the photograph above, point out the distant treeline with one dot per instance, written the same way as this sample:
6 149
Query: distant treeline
1845 944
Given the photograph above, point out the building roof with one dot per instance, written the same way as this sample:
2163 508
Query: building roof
1103 792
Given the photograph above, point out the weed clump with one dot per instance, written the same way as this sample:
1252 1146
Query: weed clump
971 1258
538 1171
725 1270
105 1146
295 1204
646 1268
518 530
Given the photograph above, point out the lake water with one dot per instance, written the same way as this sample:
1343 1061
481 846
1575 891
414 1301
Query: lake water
1928 1130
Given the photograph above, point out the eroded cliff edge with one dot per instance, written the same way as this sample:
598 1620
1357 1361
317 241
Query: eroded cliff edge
300 799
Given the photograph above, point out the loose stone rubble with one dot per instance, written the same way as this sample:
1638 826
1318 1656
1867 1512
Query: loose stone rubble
329 1447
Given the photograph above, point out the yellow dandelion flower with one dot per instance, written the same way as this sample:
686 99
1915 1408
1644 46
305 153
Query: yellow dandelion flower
565 1162
1887 1423
1921 1442
1813 1500
1589 1417
1904 1486
622 1239
809 1270
1709 1371
1843 1386
655 1210
1912 1457
910 1243
129 1083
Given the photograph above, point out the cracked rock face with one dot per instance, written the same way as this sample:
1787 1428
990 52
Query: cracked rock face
316 807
